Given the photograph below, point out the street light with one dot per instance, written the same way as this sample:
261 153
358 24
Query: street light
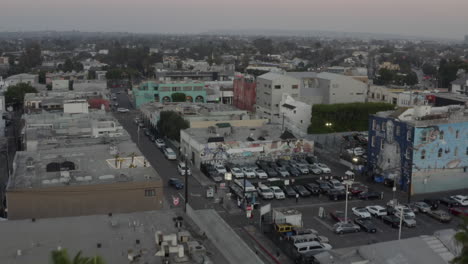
328 124
347 184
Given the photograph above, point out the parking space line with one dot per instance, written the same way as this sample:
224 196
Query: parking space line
323 223
181 196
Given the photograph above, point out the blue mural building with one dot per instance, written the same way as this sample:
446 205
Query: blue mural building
424 149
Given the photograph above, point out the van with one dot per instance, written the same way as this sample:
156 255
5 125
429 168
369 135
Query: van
312 246
170 154
284 228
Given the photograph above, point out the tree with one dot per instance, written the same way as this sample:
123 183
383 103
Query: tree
429 69
91 74
462 239
61 257
42 77
170 123
264 45
178 97
15 94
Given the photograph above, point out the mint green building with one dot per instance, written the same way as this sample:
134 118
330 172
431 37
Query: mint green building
162 92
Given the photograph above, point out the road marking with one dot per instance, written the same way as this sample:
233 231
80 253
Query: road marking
195 194
323 223
181 196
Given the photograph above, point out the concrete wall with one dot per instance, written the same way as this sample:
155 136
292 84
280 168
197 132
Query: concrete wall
346 90
60 84
78 200
75 107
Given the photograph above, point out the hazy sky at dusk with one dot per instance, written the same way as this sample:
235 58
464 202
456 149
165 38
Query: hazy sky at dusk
432 18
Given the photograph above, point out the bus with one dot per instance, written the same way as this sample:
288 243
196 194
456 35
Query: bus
251 194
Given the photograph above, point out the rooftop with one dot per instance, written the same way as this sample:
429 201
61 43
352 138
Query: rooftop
427 115
190 109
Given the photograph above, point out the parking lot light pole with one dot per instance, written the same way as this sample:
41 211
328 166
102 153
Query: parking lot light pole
401 223
347 183
186 184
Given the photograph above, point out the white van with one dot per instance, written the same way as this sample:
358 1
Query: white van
312 246
170 154
308 238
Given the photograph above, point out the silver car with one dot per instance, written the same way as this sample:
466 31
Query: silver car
422 207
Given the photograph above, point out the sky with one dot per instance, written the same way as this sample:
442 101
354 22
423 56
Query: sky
429 18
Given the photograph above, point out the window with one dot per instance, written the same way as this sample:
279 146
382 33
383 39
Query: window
439 154
276 105
150 192
264 85
373 141
423 154
176 89
373 124
457 133
408 135
277 86
188 88
397 132
382 144
301 121
441 135
295 86
455 152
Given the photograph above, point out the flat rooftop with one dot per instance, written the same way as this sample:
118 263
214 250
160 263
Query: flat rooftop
117 235
186 108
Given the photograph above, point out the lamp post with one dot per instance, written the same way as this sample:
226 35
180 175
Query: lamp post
347 184
186 183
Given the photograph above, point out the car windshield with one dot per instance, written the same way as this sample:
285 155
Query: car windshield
247 170
278 191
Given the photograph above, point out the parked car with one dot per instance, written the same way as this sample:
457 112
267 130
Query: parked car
289 191
315 169
336 195
312 247
293 171
277 192
408 221
323 185
182 168
459 211
356 188
170 154
301 190
405 209
152 138
368 195
237 173
391 220
282 171
337 185
366 225
440 215
122 110
341 228
324 168
461 199
433 203
220 169
422 207
338 216
282 163
176 183
349 174
248 172
449 202
271 172
377 210
304 169
265 192
361 212
261 174
312 188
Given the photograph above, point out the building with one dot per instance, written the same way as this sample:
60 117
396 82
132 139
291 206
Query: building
424 149
270 89
55 101
296 115
79 164
151 91
389 66
224 143
32 79
219 92
245 92
329 88
200 115
201 76
466 39
460 86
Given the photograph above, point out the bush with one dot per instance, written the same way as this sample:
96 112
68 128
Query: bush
344 117
178 97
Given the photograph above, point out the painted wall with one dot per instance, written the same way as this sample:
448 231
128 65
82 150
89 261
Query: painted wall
440 158
159 92
244 93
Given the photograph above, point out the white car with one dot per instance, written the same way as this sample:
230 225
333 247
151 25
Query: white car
356 151
461 199
182 168
279 194
261 174
406 211
304 169
122 110
349 174
265 192
377 210
160 143
337 185
282 171
236 172
324 168
170 154
361 212
220 169
248 172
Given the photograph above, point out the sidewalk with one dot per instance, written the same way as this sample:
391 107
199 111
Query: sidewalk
267 246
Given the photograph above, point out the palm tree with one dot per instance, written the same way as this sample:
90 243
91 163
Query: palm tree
462 238
61 257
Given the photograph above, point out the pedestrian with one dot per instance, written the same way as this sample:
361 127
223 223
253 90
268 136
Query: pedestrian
297 198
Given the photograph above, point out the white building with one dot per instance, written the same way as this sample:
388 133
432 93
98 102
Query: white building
296 114
270 90
76 106
60 84
460 86
31 79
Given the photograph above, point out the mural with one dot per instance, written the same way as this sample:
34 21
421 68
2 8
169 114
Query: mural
236 151
389 160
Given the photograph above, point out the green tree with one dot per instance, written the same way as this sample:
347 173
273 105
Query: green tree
170 123
15 94
42 77
264 45
462 239
178 97
68 65
91 75
429 69
62 257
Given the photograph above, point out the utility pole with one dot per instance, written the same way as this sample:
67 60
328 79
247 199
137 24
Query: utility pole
401 223
186 184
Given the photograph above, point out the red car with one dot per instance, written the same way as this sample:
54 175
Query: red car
338 216
357 188
459 211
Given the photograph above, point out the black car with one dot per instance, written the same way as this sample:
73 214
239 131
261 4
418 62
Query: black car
293 171
301 190
289 191
147 132
152 138
433 203
335 195
323 185
272 164
368 195
389 183
311 159
313 188
270 171
392 220
176 183
449 202
282 163
366 225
